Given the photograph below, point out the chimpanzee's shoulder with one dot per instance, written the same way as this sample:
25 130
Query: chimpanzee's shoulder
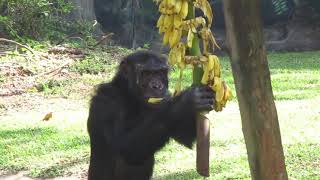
107 93
106 89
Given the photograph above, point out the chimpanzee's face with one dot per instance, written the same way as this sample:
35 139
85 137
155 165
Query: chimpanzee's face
153 83
147 75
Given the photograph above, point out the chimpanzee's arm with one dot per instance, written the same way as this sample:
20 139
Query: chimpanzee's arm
185 113
175 118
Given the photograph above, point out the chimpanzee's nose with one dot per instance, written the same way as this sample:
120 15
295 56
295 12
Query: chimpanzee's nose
155 85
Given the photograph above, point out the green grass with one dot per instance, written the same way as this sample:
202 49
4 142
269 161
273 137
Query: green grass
294 75
60 146
45 149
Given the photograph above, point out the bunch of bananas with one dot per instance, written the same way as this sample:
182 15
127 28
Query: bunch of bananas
174 25
212 77
170 22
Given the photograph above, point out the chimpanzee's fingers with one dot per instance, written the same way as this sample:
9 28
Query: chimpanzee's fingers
205 107
209 95
205 103
204 88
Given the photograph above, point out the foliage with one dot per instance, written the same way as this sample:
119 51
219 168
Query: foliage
40 19
315 4
93 64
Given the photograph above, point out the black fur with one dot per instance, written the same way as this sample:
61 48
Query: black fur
125 132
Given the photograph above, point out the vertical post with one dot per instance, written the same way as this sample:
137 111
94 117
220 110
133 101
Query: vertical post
254 92
203 125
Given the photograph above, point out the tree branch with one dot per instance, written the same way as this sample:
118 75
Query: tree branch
19 44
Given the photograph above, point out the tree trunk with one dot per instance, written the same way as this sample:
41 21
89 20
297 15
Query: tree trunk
83 10
253 86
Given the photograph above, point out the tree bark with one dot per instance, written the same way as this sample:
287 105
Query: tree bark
260 124
83 10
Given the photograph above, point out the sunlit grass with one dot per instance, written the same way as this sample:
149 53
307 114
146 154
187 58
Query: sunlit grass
60 146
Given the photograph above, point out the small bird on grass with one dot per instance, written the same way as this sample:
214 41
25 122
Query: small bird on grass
47 117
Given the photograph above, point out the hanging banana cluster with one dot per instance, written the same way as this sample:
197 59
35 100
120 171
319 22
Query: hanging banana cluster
173 24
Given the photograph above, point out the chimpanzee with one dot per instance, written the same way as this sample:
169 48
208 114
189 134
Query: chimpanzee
126 131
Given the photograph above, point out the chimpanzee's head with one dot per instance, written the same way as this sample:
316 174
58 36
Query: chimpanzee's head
146 74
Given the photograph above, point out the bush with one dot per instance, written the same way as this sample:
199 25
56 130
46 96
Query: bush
37 19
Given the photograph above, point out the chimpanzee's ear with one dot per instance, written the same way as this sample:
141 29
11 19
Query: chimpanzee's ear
124 68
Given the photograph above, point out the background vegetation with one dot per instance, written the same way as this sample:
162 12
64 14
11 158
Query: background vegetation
60 79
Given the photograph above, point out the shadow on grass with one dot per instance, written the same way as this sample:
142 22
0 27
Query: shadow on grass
59 168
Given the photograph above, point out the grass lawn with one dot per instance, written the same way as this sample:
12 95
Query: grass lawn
60 147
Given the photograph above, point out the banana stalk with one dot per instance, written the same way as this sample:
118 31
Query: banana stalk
203 125
178 20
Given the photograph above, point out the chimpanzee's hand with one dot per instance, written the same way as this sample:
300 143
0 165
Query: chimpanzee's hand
203 97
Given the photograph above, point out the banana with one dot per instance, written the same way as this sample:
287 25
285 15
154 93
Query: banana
190 38
216 84
154 100
162 6
175 38
205 76
193 28
171 4
160 21
205 45
184 9
166 37
227 93
173 24
162 29
177 21
220 93
218 107
168 20
177 6
210 63
217 70
211 67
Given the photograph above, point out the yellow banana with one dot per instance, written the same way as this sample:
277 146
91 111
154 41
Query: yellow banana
171 4
217 70
218 107
160 21
166 37
205 76
211 67
216 84
205 45
162 29
162 6
227 92
210 62
175 38
168 21
220 93
177 6
177 21
184 9
154 100
190 38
